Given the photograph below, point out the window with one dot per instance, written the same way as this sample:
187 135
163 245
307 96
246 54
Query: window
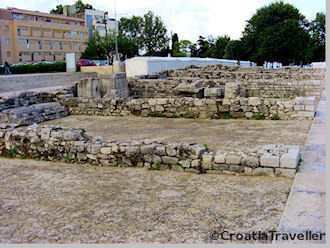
81 35
61 46
27 42
19 32
39 44
50 45
7 41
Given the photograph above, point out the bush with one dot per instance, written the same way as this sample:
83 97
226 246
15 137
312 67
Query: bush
36 68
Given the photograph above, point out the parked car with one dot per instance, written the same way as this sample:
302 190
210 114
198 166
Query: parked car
85 62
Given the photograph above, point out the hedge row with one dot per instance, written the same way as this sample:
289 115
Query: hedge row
36 68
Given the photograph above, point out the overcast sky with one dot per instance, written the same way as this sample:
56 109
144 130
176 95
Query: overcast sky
189 18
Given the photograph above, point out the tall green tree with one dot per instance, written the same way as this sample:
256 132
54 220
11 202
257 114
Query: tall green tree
132 28
154 35
175 49
147 32
317 32
234 50
276 32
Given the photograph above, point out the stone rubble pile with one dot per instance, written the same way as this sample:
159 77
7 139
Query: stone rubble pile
75 146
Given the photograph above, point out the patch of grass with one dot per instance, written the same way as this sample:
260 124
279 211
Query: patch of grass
67 158
12 152
258 116
226 115
206 146
275 117
155 166
156 114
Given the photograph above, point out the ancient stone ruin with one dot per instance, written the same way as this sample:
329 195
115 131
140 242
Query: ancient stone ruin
211 92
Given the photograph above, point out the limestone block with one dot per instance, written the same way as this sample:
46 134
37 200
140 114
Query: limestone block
195 163
170 160
270 160
105 150
171 150
311 108
298 107
219 157
254 101
249 115
311 100
251 161
233 158
305 114
185 163
212 92
290 159
299 100
263 171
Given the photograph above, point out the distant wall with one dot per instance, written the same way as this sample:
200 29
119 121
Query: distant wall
151 65
33 81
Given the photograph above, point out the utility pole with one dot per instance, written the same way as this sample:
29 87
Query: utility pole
116 33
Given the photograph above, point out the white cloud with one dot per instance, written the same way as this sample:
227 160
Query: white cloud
189 18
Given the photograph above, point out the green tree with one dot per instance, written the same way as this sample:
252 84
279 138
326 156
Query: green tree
234 50
175 49
220 46
100 47
58 10
317 32
276 32
132 28
154 36
184 48
80 6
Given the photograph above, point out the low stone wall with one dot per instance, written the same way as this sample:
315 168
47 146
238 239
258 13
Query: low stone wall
75 146
187 107
267 88
25 82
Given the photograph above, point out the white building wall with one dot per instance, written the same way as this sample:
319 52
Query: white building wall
139 66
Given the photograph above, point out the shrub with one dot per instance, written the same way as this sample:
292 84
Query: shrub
258 116
36 68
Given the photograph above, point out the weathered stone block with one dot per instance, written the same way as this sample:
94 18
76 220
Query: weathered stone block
105 150
185 163
170 160
233 159
219 157
254 101
290 159
270 160
263 171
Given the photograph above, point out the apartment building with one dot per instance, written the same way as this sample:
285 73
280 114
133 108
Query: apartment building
33 36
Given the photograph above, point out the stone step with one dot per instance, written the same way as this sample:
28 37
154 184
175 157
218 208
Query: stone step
35 113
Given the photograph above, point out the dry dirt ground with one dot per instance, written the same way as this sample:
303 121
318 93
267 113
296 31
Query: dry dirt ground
217 134
57 203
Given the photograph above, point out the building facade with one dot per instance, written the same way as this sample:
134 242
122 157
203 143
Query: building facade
95 21
32 36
